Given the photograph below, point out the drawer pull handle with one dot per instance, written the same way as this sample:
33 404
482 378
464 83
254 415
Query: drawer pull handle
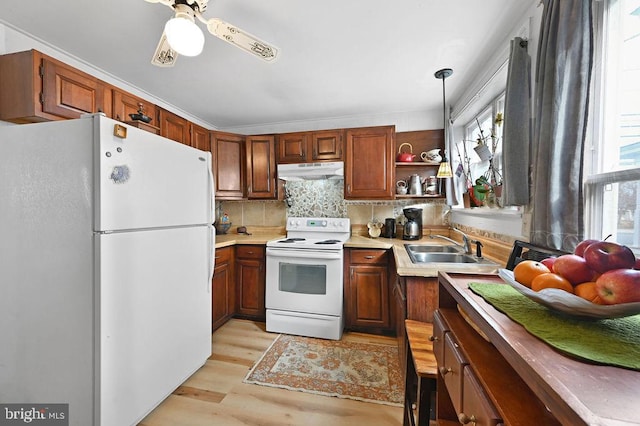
445 370
464 419
433 338
368 257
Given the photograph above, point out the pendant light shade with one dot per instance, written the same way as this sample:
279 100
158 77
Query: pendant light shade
183 35
444 171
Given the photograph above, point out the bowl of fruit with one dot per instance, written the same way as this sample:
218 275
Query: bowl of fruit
601 279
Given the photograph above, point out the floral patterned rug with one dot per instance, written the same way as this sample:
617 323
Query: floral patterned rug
361 371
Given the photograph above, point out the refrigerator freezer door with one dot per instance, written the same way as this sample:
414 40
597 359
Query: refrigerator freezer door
154 317
146 181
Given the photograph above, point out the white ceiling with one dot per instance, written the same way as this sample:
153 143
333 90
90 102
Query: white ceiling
338 58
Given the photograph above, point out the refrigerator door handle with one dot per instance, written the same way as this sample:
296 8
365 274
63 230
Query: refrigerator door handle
212 258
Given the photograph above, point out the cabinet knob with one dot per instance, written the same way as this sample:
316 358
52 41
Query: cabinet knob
368 257
464 419
433 338
445 370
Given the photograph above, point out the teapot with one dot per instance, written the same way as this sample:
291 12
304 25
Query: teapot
405 157
401 187
432 155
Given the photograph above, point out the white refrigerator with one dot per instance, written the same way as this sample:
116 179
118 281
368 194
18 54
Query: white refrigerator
106 259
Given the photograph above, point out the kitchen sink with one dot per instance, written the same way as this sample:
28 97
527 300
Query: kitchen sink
421 248
423 253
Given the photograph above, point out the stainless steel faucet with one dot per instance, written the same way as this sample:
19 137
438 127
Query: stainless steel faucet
466 243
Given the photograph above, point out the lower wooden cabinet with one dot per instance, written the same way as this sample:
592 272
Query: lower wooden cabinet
223 287
367 301
250 278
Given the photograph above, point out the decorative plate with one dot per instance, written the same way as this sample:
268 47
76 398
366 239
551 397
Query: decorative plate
560 300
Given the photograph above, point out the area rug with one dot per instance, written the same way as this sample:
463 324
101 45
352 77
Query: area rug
360 371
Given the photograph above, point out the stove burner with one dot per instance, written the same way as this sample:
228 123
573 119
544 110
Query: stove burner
328 242
291 240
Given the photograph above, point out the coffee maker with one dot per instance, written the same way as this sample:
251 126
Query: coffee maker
413 226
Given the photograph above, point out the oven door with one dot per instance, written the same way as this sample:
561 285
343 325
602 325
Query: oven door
304 280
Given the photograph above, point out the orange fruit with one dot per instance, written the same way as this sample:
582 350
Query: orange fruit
551 280
527 270
588 291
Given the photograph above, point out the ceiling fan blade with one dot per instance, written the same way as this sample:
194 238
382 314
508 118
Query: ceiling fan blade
164 55
165 2
242 39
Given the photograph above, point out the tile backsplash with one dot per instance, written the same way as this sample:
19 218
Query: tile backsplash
325 198
315 198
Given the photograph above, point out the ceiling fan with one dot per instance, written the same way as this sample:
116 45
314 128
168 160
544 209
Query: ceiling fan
182 36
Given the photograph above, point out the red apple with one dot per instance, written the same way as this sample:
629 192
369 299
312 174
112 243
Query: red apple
619 286
604 256
582 246
548 262
574 268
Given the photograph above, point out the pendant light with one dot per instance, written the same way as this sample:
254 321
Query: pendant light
444 171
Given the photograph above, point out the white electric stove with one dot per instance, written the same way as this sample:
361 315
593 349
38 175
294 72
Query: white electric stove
304 284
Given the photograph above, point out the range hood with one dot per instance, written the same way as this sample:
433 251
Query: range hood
310 171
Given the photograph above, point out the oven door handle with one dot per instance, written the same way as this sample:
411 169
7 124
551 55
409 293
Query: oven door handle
303 254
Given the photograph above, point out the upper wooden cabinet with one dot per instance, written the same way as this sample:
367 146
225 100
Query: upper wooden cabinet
303 147
369 163
174 127
327 145
125 103
292 147
200 137
261 167
36 88
227 150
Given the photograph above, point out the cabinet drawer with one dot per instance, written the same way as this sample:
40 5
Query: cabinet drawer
250 252
440 328
477 409
367 257
223 254
451 370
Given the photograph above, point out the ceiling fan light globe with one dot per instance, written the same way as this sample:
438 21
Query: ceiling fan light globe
184 36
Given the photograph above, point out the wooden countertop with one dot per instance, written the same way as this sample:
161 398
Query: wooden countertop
404 266
575 392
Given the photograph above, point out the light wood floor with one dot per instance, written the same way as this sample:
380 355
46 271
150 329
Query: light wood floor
215 394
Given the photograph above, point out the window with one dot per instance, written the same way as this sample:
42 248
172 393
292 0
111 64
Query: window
473 158
612 169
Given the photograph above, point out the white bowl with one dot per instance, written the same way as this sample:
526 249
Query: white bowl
568 303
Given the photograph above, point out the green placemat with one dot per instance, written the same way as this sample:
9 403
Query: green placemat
608 341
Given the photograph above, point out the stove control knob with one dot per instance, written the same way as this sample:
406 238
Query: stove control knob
324 223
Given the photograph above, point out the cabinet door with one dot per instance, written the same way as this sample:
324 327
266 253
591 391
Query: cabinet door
292 147
261 167
125 103
250 279
369 163
223 288
174 127
327 145
227 150
69 93
368 297
200 137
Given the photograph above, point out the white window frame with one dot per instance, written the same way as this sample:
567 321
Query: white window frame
597 180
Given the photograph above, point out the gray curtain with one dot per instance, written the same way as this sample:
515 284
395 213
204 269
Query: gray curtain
563 72
516 134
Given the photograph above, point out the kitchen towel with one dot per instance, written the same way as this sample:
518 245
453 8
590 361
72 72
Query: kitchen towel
607 341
